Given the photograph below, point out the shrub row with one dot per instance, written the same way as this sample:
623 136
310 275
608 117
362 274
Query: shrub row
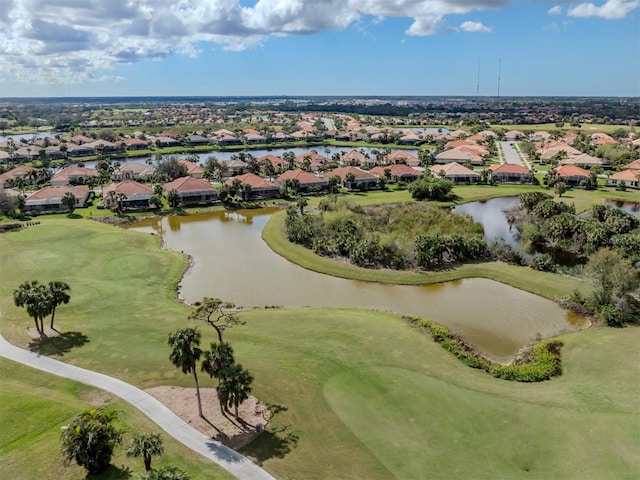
540 362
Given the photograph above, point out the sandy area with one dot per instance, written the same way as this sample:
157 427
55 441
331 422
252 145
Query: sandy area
224 428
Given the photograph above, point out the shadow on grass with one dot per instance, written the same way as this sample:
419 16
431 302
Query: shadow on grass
74 216
111 473
58 345
271 444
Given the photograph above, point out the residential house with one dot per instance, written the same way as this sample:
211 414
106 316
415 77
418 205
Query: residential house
631 179
458 155
193 169
361 180
192 191
134 171
308 182
355 158
49 199
260 188
81 139
163 142
398 172
278 163
635 165
455 172
510 173
572 175
583 160
135 144
233 167
400 156
76 150
132 195
513 135
73 176
195 140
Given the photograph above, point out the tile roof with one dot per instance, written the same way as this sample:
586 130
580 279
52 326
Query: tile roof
188 184
253 180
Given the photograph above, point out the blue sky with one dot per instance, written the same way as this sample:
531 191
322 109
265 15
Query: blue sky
320 47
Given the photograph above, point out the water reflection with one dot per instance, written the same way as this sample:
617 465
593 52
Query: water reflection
233 263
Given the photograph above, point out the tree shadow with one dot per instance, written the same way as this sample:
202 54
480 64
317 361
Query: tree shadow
112 473
74 216
271 444
58 345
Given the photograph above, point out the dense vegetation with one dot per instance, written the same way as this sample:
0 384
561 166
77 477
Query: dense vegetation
403 236
535 364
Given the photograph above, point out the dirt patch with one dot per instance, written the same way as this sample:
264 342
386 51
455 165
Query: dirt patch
35 334
253 415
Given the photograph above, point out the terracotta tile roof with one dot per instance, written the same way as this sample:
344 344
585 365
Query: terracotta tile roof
453 168
343 171
509 168
129 188
52 194
397 156
635 165
69 172
277 162
19 171
397 169
305 178
192 168
253 180
626 175
188 184
571 171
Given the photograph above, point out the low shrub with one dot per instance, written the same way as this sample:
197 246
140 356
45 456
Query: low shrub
534 364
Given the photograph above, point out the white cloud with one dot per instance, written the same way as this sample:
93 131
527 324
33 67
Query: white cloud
557 10
474 27
68 41
609 10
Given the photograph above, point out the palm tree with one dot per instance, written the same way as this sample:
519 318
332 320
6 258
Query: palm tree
90 439
173 197
59 296
169 472
235 387
36 298
302 202
68 201
146 445
217 359
185 353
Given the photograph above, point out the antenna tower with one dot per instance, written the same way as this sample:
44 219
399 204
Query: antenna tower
478 83
499 72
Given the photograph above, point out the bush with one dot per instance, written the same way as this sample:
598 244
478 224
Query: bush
540 362
543 263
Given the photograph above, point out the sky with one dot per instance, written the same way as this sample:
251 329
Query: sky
319 47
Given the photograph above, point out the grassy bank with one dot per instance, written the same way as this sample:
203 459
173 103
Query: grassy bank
545 284
33 407
361 394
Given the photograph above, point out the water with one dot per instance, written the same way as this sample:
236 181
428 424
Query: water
490 213
630 207
232 262
29 136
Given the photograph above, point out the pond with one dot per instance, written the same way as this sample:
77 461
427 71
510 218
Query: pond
232 262
630 207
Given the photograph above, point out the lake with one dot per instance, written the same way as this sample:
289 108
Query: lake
232 262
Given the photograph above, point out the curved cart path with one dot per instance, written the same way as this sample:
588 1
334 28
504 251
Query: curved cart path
229 459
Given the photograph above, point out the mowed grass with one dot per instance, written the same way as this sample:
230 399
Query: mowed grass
361 394
35 405
368 396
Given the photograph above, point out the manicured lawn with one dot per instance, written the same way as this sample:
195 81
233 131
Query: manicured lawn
363 394
33 407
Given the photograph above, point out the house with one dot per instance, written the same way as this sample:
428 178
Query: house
513 135
315 161
550 151
510 173
458 155
398 172
195 140
163 142
133 171
631 179
135 144
361 180
278 163
635 165
81 139
193 169
308 181
410 138
77 150
192 191
233 167
253 138
355 158
572 175
403 157
103 146
132 195
21 171
280 137
226 140
583 160
73 176
259 187
49 199
455 172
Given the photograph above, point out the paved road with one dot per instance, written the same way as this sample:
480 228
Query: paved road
511 154
229 459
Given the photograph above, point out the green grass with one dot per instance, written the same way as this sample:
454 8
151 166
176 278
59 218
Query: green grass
545 284
33 407
363 394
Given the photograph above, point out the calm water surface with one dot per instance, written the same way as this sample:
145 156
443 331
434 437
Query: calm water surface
232 262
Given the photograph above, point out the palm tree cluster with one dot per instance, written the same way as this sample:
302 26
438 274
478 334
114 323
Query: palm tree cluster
41 300
234 382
